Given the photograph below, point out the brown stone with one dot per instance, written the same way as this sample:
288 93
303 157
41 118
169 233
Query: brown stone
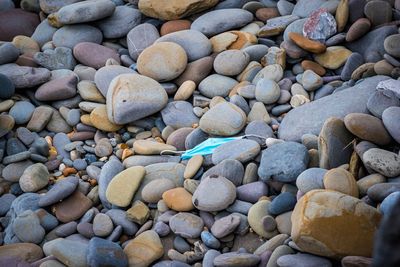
17 22
363 71
175 26
26 60
267 13
244 39
314 66
333 58
383 68
356 261
332 224
196 71
6 124
174 9
367 127
58 89
73 207
26 45
94 55
222 41
340 180
178 199
99 119
358 29
26 252
307 44
342 14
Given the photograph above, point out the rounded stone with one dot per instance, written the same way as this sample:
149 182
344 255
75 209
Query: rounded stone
231 62
311 179
153 191
7 87
59 191
224 119
186 225
389 202
341 180
255 218
282 203
216 85
99 119
94 55
57 89
162 61
367 127
385 162
207 195
131 97
34 178
378 12
105 75
136 42
71 35
267 91
358 29
390 118
27 228
179 114
391 45
22 112
102 225
381 100
195 44
178 199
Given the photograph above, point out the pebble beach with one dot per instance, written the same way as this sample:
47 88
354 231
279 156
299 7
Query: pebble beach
203 133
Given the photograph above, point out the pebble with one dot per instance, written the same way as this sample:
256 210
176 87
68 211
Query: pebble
225 225
382 161
71 35
94 55
186 225
178 199
283 162
216 85
340 180
104 252
34 178
236 259
231 62
122 104
73 207
367 127
59 191
303 260
282 203
383 16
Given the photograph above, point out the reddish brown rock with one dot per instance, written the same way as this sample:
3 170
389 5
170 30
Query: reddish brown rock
20 252
266 13
196 71
358 29
57 89
174 26
73 207
15 22
94 55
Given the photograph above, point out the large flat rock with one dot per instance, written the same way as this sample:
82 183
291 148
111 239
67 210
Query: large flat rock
310 117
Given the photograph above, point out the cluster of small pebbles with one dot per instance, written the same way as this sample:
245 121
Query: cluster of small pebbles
100 97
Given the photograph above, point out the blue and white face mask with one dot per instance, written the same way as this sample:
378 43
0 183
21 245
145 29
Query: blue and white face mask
208 146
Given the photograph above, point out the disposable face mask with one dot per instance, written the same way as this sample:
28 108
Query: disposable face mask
206 147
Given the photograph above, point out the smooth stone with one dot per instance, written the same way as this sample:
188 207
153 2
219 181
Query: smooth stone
162 61
99 119
136 42
172 10
196 71
69 252
175 26
123 186
22 253
73 207
389 118
92 9
22 112
267 91
282 203
186 225
8 88
179 114
94 55
311 179
224 119
216 85
304 8
43 33
120 22
119 218
195 43
148 147
378 192
122 101
377 18
333 58
272 72
9 53
367 127
242 150
217 21
358 29
5 203
71 35
27 227
105 75
205 197
252 192
102 225
368 181
34 178
311 81
303 260
231 169
283 162
225 225
17 22
104 252
178 199
231 62
382 161
276 26
354 61
333 144
255 217
59 191
318 111
319 208
236 259
57 89
59 58
371 45
25 77
341 180
144 249
192 167
380 101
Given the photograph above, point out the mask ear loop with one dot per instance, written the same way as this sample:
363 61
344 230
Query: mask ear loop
171 152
